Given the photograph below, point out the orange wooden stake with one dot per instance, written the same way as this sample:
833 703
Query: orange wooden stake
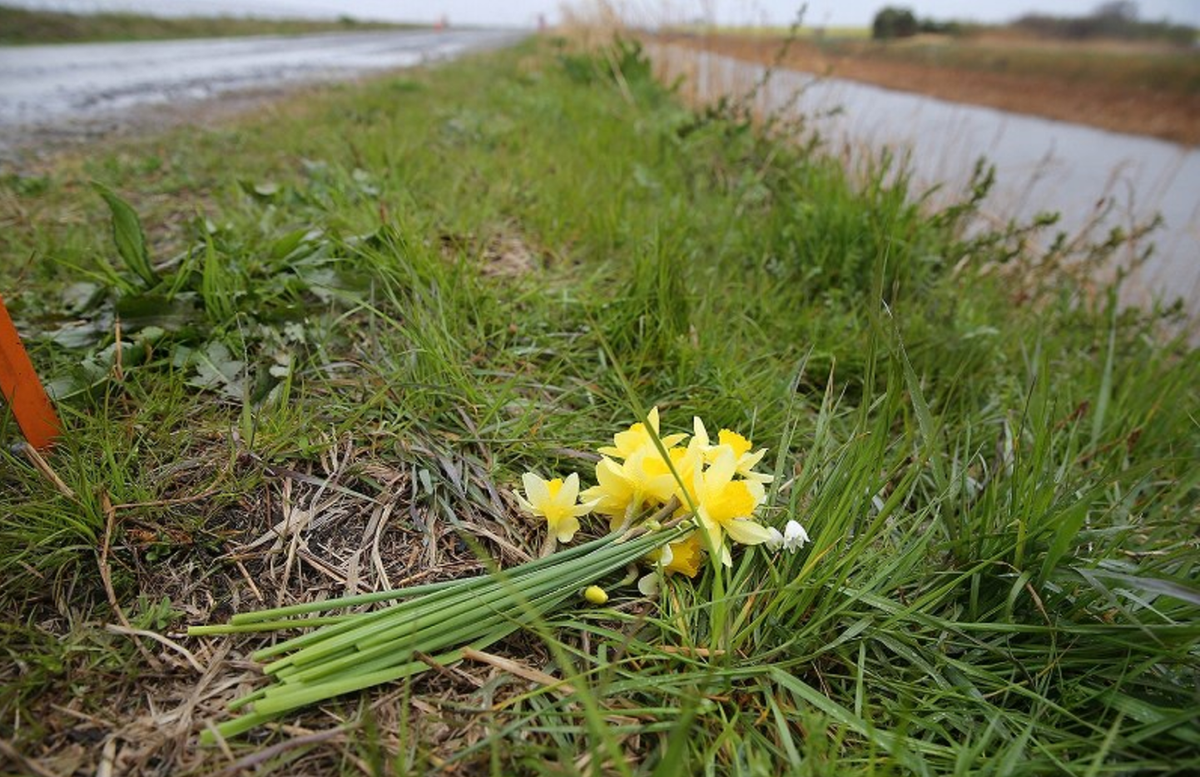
22 389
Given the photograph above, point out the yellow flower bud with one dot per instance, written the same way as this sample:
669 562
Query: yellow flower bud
595 594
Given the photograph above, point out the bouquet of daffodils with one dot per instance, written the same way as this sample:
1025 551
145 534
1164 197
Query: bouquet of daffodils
668 505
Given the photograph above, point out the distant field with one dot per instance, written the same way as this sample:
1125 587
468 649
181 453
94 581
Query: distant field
850 33
1139 88
23 26
1139 65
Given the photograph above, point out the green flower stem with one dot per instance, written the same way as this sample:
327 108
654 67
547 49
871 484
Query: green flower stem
312 694
364 620
432 590
239 725
399 619
258 626
350 652
434 630
391 653
249 698
449 609
430 599
345 601
403 654
252 720
399 593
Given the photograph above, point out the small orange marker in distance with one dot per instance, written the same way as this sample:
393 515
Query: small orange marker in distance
22 389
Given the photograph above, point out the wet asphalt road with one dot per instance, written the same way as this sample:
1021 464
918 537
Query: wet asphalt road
45 90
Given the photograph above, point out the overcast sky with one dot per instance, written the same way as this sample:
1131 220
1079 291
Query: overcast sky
526 12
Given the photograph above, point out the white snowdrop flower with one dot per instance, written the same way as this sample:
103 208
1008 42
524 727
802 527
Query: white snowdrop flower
648 583
794 536
775 542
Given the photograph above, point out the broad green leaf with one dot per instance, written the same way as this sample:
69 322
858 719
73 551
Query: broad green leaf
128 235
217 369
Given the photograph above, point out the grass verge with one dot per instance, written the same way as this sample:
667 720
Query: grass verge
363 316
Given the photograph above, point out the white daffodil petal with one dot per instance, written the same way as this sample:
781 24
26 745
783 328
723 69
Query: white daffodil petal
566 528
585 508
723 466
757 492
750 459
671 440
746 532
570 489
721 449
536 489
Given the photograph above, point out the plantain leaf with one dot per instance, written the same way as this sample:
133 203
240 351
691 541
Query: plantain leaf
128 235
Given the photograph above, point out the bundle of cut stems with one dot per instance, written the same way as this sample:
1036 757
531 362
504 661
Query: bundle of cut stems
426 626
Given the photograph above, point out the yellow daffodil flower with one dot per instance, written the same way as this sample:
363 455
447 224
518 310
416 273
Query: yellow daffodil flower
556 501
663 482
683 557
734 442
623 489
613 493
626 443
745 459
725 506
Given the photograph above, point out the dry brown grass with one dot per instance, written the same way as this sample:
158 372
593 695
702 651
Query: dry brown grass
590 25
348 524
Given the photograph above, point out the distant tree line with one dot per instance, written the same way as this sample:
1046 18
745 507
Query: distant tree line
1116 19
892 22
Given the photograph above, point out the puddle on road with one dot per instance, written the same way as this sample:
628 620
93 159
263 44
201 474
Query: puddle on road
1041 165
